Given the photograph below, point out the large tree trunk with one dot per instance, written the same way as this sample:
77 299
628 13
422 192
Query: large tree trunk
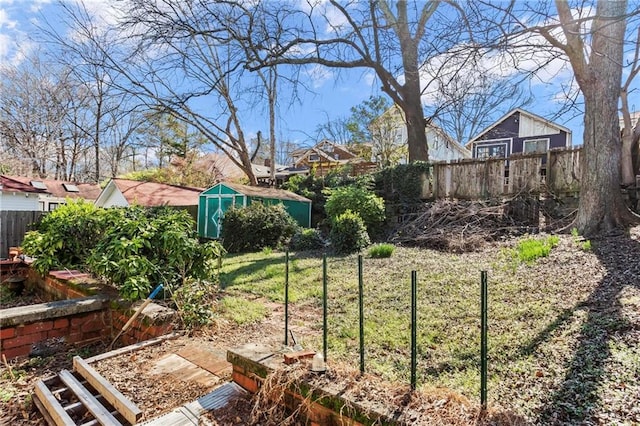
601 208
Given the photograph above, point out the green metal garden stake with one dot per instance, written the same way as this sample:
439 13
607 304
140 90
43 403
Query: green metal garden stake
286 298
361 302
414 327
324 307
483 339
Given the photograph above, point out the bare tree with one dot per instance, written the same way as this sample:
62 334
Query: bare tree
369 35
630 130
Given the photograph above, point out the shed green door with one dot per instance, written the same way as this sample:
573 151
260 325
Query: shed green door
216 206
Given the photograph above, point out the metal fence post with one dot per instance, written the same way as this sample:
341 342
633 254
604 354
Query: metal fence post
361 306
324 306
414 326
286 298
483 339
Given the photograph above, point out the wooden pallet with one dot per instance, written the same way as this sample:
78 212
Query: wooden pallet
84 398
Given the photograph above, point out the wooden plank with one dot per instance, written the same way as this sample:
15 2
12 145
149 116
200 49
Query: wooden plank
52 406
99 412
132 348
75 407
125 407
184 370
205 359
43 410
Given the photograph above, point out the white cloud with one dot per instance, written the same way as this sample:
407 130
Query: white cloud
5 21
319 75
369 78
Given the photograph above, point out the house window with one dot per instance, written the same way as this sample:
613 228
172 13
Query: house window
491 151
314 157
69 187
53 206
535 146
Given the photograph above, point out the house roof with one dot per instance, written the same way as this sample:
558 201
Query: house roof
226 169
260 191
13 184
63 189
150 194
317 149
521 111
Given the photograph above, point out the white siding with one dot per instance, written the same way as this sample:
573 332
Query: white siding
19 201
532 127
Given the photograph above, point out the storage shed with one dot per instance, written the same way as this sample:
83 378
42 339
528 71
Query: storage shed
219 198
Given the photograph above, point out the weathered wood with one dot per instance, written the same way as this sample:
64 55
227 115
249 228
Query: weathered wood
125 407
13 226
205 359
52 406
524 175
43 410
132 348
98 410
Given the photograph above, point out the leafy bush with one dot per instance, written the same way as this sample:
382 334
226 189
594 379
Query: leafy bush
359 200
381 250
255 227
65 237
151 246
195 301
531 249
348 233
306 239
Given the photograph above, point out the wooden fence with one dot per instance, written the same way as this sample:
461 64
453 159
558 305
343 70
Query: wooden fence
556 173
13 226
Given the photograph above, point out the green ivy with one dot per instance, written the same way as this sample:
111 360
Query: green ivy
402 184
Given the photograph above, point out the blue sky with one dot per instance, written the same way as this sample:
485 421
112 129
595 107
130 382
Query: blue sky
334 92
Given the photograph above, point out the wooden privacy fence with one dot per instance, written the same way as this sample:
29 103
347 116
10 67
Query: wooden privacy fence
13 226
555 173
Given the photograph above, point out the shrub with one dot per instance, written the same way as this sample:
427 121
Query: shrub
151 246
348 233
65 237
255 227
306 239
381 250
195 301
359 200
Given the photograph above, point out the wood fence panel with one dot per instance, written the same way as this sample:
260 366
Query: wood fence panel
13 226
442 177
494 184
563 171
524 175
468 180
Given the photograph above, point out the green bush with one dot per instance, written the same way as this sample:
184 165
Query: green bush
306 239
359 200
381 250
348 233
65 237
147 247
195 300
255 227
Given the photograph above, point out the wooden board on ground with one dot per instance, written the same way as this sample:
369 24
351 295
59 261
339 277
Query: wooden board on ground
206 359
98 410
125 407
184 370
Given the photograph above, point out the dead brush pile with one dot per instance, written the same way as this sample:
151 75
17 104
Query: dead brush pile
457 226
368 396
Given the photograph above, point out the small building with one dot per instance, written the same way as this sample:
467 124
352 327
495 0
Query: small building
219 198
18 196
125 192
519 132
53 193
326 156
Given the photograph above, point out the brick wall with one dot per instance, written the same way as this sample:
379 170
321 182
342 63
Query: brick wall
19 340
141 329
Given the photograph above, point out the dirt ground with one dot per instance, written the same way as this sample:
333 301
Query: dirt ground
156 394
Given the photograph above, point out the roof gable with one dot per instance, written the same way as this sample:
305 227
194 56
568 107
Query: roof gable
526 114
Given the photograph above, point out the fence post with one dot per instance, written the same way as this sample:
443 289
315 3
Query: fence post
483 339
324 306
286 298
361 303
414 318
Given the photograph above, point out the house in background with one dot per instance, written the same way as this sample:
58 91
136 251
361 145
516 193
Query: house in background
389 134
125 192
18 196
519 132
53 193
326 156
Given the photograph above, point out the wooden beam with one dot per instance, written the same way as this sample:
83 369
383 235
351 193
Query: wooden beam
131 348
51 406
98 410
113 396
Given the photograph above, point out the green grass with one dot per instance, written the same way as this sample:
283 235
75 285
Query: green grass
242 311
531 249
381 250
535 317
